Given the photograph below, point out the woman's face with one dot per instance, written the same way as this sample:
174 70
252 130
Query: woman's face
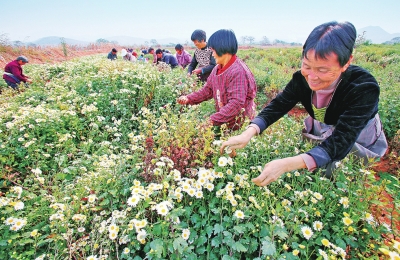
200 44
320 73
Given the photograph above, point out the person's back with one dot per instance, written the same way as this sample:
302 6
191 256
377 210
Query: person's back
170 59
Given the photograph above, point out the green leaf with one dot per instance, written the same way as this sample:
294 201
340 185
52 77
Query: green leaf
237 246
202 211
195 218
201 250
281 233
268 248
201 240
104 202
216 241
239 229
218 228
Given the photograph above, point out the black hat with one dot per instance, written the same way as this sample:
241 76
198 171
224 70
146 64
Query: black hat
23 59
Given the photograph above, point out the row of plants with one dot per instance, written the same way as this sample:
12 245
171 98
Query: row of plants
100 162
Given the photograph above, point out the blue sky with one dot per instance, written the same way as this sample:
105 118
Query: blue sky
89 20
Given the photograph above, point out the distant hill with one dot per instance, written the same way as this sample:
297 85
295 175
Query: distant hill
56 40
376 34
393 41
121 40
128 40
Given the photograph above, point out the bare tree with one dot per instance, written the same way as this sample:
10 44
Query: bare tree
250 39
265 41
4 39
244 39
154 42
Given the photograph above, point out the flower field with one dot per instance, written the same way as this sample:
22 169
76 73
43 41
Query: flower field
98 161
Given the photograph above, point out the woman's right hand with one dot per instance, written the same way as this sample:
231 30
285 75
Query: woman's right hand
238 141
183 100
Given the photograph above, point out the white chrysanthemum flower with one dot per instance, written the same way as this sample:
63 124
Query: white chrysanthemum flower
133 200
199 194
18 224
81 229
209 186
36 171
307 232
222 162
191 192
113 228
19 205
368 217
323 254
113 235
92 198
318 195
34 233
44 255
79 217
162 210
185 234
126 251
17 190
230 161
318 225
141 235
396 245
345 202
4 201
239 214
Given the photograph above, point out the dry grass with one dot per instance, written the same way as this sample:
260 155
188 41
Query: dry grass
39 55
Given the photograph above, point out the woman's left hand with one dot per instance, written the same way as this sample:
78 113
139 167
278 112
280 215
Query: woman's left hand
274 169
271 172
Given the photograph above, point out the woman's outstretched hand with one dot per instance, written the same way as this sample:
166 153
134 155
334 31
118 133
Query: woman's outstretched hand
274 169
238 141
183 100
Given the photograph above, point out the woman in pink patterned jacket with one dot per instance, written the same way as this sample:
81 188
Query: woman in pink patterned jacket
231 84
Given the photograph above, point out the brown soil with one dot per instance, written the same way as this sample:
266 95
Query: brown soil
40 55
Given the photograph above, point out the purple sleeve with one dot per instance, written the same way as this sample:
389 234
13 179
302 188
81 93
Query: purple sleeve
188 58
236 99
205 93
309 161
17 73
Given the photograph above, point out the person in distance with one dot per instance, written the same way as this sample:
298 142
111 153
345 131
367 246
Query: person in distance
203 61
166 57
13 73
112 55
184 58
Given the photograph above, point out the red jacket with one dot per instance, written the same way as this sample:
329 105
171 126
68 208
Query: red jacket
233 89
15 69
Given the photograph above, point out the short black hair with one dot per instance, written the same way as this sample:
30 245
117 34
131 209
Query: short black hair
178 47
223 41
332 37
198 35
150 49
114 50
158 51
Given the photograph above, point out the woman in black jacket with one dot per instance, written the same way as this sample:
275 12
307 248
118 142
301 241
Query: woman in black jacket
341 100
